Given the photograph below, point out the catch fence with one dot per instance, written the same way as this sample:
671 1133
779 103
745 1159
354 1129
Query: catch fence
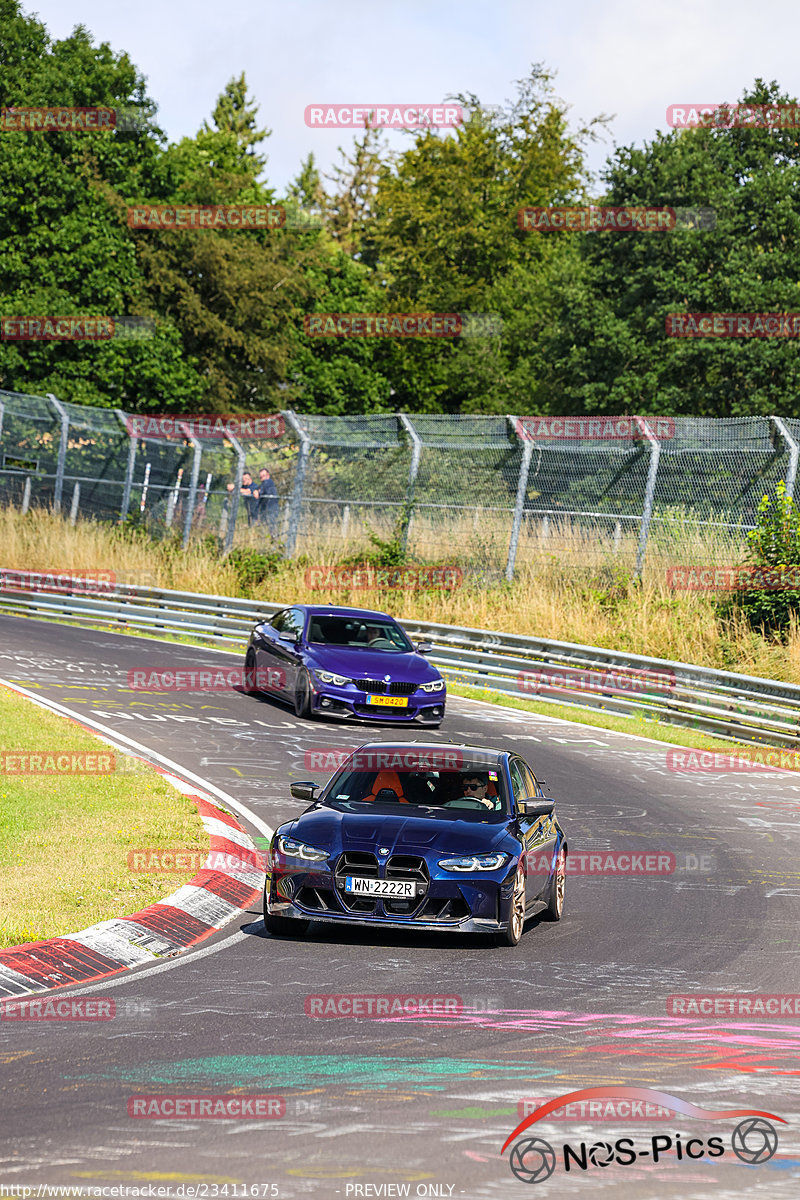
492 492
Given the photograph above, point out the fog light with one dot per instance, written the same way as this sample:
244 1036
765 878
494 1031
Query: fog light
324 702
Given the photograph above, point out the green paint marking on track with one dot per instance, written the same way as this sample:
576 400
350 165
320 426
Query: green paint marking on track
283 1070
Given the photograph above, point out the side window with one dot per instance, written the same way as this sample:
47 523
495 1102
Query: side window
519 783
530 781
278 621
294 621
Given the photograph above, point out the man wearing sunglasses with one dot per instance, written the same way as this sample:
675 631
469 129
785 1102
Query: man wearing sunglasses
473 787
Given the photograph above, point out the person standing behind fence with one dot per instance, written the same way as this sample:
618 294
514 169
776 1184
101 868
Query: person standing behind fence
250 495
268 504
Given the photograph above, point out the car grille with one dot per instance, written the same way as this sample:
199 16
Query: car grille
407 866
356 862
379 687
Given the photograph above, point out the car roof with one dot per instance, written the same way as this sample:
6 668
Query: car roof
333 610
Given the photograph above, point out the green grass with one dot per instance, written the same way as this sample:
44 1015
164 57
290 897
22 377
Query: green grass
64 840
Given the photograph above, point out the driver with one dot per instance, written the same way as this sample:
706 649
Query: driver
474 785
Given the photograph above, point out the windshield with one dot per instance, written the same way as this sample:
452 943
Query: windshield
359 633
459 793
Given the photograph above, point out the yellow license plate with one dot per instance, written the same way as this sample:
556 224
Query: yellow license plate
389 701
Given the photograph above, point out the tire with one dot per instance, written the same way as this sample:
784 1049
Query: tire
302 694
555 893
516 921
250 672
284 926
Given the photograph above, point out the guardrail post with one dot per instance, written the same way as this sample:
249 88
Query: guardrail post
296 503
76 499
794 453
522 491
235 495
126 491
416 454
62 450
192 497
649 494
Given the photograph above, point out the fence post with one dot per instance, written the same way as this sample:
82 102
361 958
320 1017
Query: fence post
416 454
235 495
649 494
26 495
62 450
126 491
192 497
2 411
296 503
76 499
794 452
522 491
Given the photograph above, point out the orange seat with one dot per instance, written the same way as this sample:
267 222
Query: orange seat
389 780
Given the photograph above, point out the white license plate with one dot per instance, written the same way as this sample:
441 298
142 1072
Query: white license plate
379 887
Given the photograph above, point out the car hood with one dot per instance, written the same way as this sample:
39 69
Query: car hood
368 664
328 829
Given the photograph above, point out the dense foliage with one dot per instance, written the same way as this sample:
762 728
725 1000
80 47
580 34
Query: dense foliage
579 317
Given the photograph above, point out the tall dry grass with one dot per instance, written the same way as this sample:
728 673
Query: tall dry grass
570 584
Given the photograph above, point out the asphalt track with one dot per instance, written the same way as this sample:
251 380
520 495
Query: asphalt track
373 1105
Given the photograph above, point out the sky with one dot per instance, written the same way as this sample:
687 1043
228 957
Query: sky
625 60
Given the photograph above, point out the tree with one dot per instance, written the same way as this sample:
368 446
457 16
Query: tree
607 349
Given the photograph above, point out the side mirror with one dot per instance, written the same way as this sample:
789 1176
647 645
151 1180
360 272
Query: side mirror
303 791
424 647
537 808
289 636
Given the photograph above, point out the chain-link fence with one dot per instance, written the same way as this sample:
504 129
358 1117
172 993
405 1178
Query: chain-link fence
494 492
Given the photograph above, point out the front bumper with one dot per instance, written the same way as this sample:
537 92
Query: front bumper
467 925
348 703
467 904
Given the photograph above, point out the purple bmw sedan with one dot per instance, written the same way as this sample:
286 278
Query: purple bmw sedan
344 662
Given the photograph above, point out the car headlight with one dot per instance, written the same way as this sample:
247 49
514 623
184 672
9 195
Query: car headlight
474 862
294 849
435 686
330 677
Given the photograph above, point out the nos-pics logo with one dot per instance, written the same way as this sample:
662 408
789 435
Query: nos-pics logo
754 1140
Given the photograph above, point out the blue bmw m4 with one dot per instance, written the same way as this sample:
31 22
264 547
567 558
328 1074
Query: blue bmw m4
420 836
349 663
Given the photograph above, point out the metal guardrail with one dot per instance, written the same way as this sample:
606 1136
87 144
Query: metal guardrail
721 703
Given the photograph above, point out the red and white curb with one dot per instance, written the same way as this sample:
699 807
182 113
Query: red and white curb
202 906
